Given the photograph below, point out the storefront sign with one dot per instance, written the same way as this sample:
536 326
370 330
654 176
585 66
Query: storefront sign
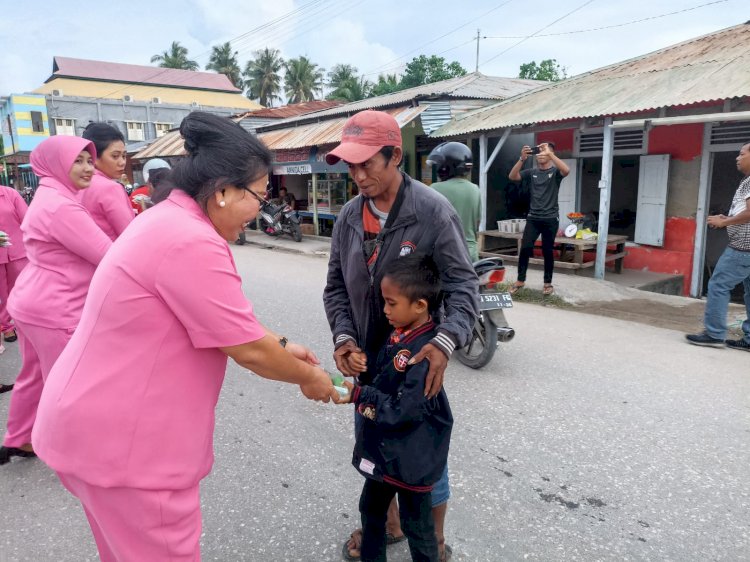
296 155
292 170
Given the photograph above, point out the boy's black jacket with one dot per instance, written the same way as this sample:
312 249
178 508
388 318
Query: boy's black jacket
403 437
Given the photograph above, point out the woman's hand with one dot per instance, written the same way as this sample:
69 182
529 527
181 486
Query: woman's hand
320 388
302 353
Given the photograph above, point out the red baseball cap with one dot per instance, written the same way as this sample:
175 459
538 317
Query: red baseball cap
365 133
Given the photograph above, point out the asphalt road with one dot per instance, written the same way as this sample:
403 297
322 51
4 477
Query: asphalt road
586 438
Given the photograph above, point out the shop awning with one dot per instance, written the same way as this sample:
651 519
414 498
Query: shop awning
326 132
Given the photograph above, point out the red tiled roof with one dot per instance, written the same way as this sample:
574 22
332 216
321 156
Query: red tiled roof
292 110
137 74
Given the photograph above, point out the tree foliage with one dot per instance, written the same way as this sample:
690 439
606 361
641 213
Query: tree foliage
426 70
175 57
303 79
263 76
387 84
346 85
547 70
224 61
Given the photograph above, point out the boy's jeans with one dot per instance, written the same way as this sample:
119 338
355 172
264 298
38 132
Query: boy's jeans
732 269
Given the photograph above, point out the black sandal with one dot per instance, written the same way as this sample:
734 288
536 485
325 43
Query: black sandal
5 388
8 338
7 452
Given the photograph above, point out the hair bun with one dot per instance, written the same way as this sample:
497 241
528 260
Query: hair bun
192 131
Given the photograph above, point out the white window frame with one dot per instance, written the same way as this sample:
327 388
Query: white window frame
161 128
62 129
136 130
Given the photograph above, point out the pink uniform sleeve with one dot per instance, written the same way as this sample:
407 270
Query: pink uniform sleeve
74 228
199 282
117 209
20 206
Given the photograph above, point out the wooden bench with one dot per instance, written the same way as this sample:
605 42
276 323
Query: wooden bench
500 246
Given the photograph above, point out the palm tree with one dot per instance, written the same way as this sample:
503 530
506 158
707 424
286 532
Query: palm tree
175 57
346 85
302 80
263 80
224 61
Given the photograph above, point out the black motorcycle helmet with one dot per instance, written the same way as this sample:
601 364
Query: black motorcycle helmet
451 159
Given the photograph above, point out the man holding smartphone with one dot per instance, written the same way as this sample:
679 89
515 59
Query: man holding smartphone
543 184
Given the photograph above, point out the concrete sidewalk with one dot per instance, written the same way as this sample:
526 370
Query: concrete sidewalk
582 293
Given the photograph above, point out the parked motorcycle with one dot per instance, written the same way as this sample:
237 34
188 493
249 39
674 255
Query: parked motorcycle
491 326
276 220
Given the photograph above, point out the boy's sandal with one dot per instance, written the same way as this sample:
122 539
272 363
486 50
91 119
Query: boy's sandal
548 290
356 538
516 287
447 554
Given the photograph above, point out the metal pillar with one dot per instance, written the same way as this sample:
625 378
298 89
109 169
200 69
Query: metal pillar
315 203
605 194
484 167
704 191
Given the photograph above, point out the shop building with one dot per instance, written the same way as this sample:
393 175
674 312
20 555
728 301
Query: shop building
24 122
651 144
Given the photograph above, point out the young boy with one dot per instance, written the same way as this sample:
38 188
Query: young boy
402 438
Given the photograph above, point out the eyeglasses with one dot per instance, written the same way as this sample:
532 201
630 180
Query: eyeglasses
260 199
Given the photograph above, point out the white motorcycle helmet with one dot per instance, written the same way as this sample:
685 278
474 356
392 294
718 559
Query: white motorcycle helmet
154 164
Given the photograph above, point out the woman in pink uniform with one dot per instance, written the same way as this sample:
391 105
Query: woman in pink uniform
12 256
63 246
106 200
128 423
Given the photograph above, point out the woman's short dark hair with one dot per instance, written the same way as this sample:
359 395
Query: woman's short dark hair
417 276
102 135
219 153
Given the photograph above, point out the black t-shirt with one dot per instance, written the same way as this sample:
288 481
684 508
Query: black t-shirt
543 187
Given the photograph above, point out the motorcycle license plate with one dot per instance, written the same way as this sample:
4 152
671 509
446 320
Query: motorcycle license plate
492 301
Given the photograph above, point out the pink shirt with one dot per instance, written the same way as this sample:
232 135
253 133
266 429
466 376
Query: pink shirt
63 246
108 204
12 210
131 400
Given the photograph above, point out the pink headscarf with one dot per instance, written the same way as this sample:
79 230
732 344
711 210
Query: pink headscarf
53 158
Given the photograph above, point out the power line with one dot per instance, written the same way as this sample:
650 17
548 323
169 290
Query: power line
574 10
607 26
382 68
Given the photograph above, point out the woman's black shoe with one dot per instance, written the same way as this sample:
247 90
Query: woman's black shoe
5 388
7 452
13 337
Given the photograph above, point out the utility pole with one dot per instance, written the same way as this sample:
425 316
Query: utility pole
476 68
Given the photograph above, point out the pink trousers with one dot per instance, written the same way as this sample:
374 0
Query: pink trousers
40 348
9 272
134 525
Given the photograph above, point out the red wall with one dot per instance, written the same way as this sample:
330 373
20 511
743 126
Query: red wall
563 139
683 142
676 256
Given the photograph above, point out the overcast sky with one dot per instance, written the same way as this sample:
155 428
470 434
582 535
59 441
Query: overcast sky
374 36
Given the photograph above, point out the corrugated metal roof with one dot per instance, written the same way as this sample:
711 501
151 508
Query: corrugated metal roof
137 74
292 110
324 132
708 68
475 85
170 144
313 134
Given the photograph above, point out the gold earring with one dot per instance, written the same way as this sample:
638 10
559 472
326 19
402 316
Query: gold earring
222 204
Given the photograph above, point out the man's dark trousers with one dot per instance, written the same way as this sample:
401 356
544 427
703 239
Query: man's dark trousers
534 227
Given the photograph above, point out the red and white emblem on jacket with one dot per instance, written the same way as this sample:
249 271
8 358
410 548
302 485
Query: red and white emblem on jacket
401 360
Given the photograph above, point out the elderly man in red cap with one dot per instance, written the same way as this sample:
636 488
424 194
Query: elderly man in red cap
393 215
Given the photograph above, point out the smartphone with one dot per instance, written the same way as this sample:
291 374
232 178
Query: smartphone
535 150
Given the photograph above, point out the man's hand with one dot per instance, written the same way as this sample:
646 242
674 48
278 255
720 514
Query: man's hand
717 221
320 388
438 362
525 152
344 359
302 353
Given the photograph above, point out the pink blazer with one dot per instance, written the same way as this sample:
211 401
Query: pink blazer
12 210
108 204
